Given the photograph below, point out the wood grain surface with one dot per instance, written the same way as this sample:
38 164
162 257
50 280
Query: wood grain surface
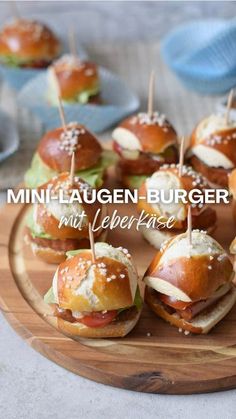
165 362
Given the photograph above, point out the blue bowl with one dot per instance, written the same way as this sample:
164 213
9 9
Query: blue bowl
118 102
202 55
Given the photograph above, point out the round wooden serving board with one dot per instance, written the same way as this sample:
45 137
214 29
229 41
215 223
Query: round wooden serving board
165 362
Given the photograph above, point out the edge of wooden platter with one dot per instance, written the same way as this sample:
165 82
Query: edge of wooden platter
171 364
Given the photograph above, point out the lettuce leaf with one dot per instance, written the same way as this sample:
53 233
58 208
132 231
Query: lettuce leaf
35 229
39 173
49 297
136 181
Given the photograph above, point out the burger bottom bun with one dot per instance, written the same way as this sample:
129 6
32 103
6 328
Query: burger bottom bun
217 176
119 328
203 322
57 256
156 237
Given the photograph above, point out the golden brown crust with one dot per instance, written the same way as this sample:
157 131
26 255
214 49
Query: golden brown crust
114 329
215 175
232 183
50 224
154 138
75 77
111 294
53 153
225 144
192 275
28 41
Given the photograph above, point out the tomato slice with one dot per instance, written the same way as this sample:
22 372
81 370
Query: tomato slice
98 318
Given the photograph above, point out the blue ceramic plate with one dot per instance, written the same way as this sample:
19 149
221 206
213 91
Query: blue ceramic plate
9 138
18 77
118 102
202 54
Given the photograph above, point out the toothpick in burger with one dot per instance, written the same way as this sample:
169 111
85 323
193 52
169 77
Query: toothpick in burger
169 178
49 240
96 298
212 150
54 152
190 284
144 142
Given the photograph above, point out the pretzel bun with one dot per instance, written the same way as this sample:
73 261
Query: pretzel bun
144 133
117 328
69 77
189 273
27 41
48 215
108 284
56 148
167 178
213 145
202 323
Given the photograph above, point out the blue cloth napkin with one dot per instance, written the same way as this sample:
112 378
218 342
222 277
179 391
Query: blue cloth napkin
203 55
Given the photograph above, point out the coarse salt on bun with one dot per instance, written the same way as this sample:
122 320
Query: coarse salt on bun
68 78
184 276
56 148
189 273
83 286
150 134
25 41
167 178
213 145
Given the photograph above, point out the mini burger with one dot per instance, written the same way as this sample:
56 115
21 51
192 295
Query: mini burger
168 178
28 44
74 81
96 298
48 238
190 285
212 149
143 142
232 189
54 153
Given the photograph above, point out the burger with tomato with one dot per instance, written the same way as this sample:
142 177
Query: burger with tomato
96 298
190 284
28 44
73 80
49 238
168 178
143 142
212 150
54 152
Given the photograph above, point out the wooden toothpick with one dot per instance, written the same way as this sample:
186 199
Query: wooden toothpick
189 231
72 169
229 105
15 10
181 156
151 93
62 114
72 43
91 239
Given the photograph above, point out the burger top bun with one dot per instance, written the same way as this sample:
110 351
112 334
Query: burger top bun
57 147
70 76
167 178
189 272
108 284
142 132
214 142
27 40
232 183
48 215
